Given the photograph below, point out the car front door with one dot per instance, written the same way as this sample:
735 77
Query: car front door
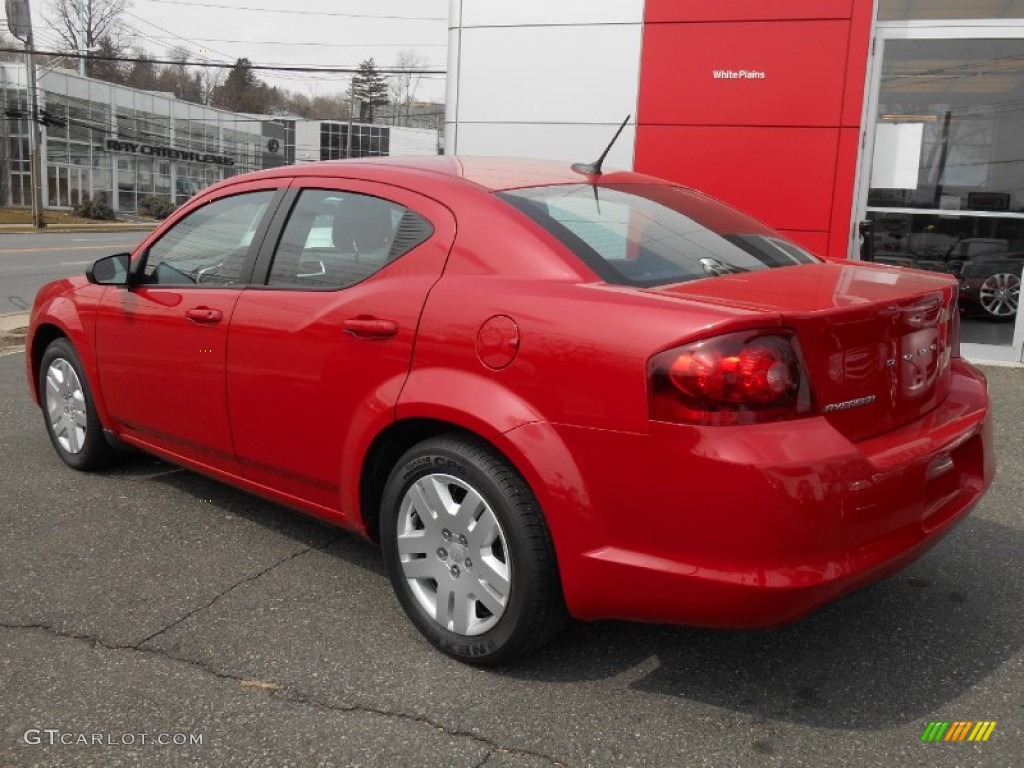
161 341
318 354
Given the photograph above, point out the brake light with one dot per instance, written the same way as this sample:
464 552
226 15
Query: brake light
954 328
740 378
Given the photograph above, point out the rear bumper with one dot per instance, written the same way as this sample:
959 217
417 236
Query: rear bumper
756 526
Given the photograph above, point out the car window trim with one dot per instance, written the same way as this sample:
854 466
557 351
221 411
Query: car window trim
272 237
275 230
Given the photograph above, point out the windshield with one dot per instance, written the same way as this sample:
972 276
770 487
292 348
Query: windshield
653 234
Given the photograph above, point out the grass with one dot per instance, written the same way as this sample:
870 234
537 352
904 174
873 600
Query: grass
24 216
15 338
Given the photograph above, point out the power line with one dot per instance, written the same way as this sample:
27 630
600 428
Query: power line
225 65
179 37
304 13
306 44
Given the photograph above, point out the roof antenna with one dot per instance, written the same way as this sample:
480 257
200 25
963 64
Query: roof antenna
594 169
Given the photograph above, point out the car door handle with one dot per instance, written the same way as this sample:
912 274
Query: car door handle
204 315
365 327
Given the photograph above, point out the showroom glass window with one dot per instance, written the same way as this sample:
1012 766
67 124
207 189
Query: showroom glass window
946 189
210 245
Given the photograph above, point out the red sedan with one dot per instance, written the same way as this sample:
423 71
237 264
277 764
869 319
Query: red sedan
546 392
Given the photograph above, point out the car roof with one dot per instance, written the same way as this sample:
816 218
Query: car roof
491 173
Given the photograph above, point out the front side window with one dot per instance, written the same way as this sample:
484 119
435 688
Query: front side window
651 234
334 239
210 245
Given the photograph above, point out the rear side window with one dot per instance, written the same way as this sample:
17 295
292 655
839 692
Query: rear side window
334 239
651 234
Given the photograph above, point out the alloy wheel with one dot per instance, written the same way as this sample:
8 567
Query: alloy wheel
65 405
1000 294
454 554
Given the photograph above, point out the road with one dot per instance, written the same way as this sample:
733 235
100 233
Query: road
27 262
150 600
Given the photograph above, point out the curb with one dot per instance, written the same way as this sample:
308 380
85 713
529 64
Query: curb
13 321
20 229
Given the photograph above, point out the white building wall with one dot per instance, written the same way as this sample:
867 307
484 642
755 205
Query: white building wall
529 79
307 141
412 141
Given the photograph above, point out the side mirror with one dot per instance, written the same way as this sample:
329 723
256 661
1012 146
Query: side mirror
110 270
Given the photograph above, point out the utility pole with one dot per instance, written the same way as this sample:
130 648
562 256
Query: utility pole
83 42
36 145
351 109
19 21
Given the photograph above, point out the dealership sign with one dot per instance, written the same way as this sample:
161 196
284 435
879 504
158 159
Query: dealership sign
151 150
737 74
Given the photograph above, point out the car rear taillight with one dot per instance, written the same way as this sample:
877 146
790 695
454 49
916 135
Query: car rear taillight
740 378
954 329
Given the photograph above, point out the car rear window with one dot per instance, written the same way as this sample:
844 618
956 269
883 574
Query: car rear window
654 234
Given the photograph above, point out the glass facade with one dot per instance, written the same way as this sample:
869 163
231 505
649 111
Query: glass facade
945 184
123 143
15 184
911 10
367 140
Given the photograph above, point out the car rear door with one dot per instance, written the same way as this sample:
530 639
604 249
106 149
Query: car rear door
319 352
161 342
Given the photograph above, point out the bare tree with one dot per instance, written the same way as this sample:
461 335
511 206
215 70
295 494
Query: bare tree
403 85
178 79
210 79
101 22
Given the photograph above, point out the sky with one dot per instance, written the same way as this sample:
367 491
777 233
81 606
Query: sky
310 32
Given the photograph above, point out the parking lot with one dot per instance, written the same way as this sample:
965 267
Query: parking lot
150 600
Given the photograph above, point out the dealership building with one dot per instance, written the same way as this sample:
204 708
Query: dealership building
101 138
98 137
813 115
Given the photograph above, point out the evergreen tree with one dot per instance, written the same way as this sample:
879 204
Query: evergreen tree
238 90
370 88
104 69
143 74
244 92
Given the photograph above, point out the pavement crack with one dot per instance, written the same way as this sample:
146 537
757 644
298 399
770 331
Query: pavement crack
246 580
300 698
108 646
289 694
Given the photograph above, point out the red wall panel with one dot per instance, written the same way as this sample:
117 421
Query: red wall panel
842 193
785 73
857 61
785 146
783 176
744 10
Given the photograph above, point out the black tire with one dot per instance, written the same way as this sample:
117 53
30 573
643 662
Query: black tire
534 609
94 452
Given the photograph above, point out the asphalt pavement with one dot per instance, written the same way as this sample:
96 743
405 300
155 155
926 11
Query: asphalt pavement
148 604
27 262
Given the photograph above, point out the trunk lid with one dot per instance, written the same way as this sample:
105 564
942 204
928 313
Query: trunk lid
876 340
